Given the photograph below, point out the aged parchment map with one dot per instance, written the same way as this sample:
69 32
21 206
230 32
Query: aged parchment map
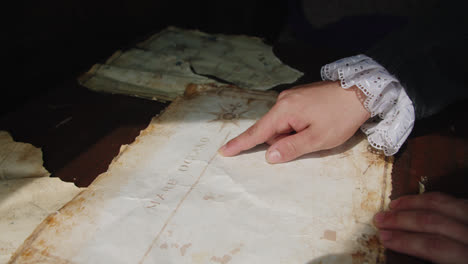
169 197
162 66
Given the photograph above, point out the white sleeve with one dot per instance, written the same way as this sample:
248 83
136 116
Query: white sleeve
391 109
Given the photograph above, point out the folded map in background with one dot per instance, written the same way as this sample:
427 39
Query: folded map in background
162 66
169 197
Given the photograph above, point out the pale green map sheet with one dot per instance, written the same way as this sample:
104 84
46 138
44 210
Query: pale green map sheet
162 66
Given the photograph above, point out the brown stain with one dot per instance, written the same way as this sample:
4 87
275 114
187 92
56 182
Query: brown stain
235 251
208 197
52 221
27 254
191 91
184 248
29 153
371 250
329 235
58 222
225 259
74 207
45 252
33 255
163 246
148 130
375 157
41 242
371 202
250 100
358 257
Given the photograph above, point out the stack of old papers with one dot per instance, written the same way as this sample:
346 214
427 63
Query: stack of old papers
169 197
162 66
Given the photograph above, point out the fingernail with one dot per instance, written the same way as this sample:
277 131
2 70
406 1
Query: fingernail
273 156
222 149
393 204
385 235
379 217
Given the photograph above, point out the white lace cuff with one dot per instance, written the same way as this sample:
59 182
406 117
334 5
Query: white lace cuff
391 109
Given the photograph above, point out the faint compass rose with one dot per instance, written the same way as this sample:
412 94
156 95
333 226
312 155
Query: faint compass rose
228 114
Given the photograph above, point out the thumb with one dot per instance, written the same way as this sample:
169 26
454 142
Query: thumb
291 147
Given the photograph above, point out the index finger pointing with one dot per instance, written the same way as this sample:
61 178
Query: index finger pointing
258 133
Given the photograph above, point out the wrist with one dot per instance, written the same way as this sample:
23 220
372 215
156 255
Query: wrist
382 96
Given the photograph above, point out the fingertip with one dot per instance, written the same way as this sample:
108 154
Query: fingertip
379 218
394 204
222 150
273 156
228 149
385 235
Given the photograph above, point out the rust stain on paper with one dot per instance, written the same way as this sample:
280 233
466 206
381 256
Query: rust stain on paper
223 260
372 251
184 248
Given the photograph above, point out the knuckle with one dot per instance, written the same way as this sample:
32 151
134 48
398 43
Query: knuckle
316 141
429 220
251 131
435 199
287 101
296 123
397 242
391 218
283 103
438 197
290 148
433 244
404 202
283 94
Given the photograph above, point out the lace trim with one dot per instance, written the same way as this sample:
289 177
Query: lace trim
391 109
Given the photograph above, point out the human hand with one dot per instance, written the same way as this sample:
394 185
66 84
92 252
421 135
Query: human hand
432 226
305 119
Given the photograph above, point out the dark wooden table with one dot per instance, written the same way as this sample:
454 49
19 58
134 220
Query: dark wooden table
80 132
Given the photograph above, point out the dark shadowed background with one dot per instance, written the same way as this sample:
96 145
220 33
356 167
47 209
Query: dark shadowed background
54 40
51 41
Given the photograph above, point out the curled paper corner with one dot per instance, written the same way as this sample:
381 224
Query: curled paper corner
27 194
19 160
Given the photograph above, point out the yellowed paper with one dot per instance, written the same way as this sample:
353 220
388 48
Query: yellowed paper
27 195
19 160
170 198
24 204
